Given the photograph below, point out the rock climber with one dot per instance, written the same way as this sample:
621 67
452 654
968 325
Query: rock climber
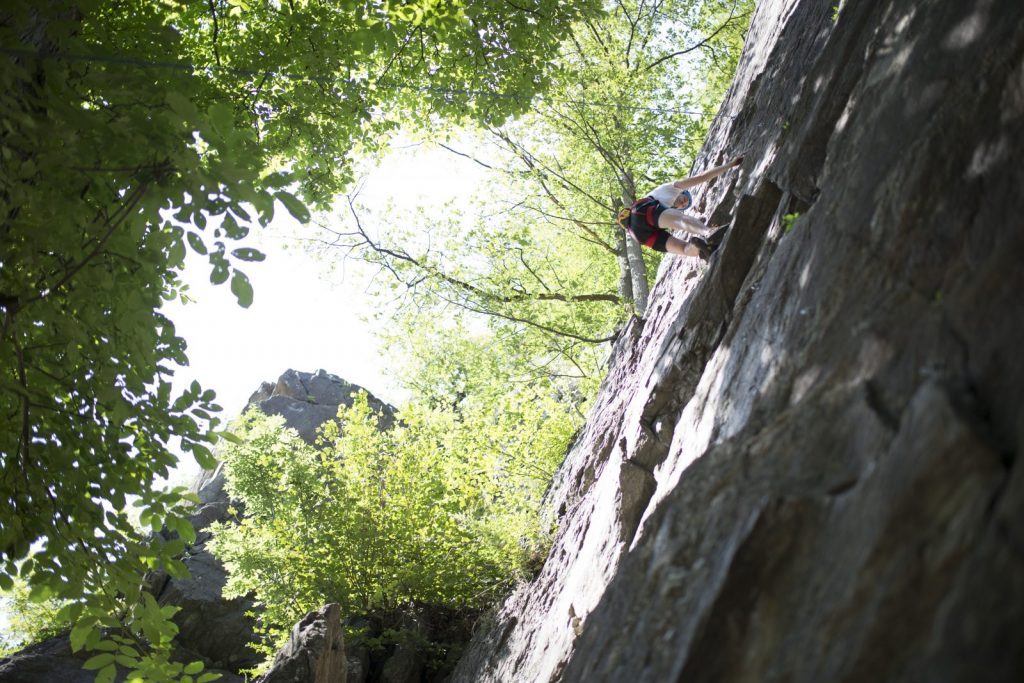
652 220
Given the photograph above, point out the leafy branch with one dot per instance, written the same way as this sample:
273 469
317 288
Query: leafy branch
427 271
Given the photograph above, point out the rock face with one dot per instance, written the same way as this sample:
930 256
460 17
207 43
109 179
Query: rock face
315 652
50 660
307 400
804 464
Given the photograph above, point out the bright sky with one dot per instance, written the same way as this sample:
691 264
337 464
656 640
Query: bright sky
305 314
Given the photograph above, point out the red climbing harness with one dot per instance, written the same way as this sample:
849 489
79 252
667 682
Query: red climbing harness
642 223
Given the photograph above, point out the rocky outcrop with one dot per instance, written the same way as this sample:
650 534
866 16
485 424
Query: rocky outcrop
308 400
50 660
804 463
314 653
216 629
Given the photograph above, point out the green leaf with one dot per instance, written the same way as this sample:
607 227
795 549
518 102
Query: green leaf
183 527
222 118
263 202
106 675
176 569
295 207
98 661
69 612
194 668
126 661
80 632
241 288
196 242
247 254
129 651
41 593
233 229
219 274
181 105
168 611
173 548
203 456
231 437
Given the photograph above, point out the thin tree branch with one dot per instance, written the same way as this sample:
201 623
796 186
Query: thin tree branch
123 212
470 288
216 32
467 156
695 46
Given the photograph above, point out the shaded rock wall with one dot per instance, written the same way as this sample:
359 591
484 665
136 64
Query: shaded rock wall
315 652
803 464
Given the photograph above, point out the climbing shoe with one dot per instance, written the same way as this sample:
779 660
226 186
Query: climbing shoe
704 250
714 239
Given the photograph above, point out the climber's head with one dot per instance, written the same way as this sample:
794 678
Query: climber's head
684 200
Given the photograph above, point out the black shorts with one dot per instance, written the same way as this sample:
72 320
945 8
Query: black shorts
643 223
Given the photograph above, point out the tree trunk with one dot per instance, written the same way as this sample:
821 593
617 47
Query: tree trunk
634 257
638 271
625 278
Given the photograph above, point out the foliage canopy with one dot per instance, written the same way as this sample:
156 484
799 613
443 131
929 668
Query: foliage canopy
536 248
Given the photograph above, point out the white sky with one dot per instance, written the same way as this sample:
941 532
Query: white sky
305 314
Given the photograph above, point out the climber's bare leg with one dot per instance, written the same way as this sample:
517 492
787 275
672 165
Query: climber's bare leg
674 245
674 219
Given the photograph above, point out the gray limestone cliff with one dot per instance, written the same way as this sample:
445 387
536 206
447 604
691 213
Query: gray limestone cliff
213 628
804 463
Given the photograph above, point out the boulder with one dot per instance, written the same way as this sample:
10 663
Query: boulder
315 652
308 400
50 660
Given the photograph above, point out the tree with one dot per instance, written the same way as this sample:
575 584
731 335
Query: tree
546 260
625 109
28 621
132 131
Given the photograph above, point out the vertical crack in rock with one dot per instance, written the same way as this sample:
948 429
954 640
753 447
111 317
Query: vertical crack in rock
636 486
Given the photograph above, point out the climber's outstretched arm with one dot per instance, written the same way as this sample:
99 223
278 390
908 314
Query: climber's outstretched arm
692 181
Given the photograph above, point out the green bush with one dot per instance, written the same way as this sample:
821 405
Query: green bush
28 621
440 510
